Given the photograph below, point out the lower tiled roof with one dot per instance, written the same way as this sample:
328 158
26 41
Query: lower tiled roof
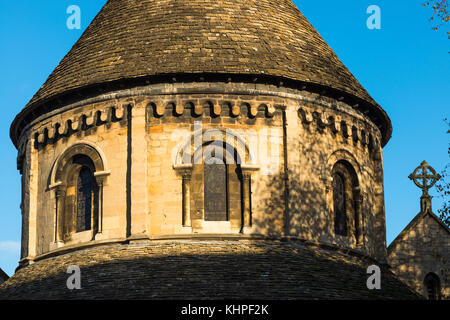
204 270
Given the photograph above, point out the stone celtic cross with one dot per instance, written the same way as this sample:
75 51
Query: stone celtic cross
425 177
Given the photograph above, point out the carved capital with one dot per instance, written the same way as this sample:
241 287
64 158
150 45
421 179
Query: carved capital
60 190
101 176
60 193
186 174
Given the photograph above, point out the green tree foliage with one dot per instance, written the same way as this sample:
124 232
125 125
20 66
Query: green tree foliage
440 16
443 187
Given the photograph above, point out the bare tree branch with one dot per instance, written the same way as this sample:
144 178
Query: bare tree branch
440 14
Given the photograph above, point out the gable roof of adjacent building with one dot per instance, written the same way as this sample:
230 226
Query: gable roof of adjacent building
414 222
3 276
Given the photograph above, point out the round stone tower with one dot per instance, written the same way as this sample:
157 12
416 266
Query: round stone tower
222 129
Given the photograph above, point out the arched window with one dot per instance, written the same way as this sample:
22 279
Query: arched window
85 199
216 182
216 186
433 286
215 189
81 201
345 204
340 214
78 179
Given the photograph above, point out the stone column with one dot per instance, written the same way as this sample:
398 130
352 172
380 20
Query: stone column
100 182
358 216
329 204
247 223
186 199
100 178
60 194
100 206
93 231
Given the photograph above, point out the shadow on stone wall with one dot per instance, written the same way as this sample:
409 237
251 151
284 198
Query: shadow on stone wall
307 213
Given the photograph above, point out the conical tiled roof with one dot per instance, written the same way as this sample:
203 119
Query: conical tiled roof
131 39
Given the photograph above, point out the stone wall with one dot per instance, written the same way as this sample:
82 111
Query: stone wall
422 249
288 140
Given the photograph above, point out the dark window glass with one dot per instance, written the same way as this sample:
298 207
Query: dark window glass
340 216
85 187
432 284
215 192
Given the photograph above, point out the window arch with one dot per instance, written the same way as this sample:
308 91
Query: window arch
219 175
81 200
216 188
345 196
433 286
216 181
77 180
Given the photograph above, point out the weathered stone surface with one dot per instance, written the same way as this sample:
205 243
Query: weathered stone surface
147 141
204 270
147 89
422 247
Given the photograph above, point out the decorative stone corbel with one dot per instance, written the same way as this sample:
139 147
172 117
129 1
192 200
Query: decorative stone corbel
235 111
270 111
198 109
51 132
104 116
119 113
90 121
253 111
216 110
179 109
305 116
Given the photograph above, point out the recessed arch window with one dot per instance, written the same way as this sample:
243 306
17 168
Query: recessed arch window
221 180
78 180
86 202
345 189
215 190
339 206
81 201
433 286
216 182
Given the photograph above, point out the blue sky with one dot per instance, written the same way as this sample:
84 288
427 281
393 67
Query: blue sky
405 66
